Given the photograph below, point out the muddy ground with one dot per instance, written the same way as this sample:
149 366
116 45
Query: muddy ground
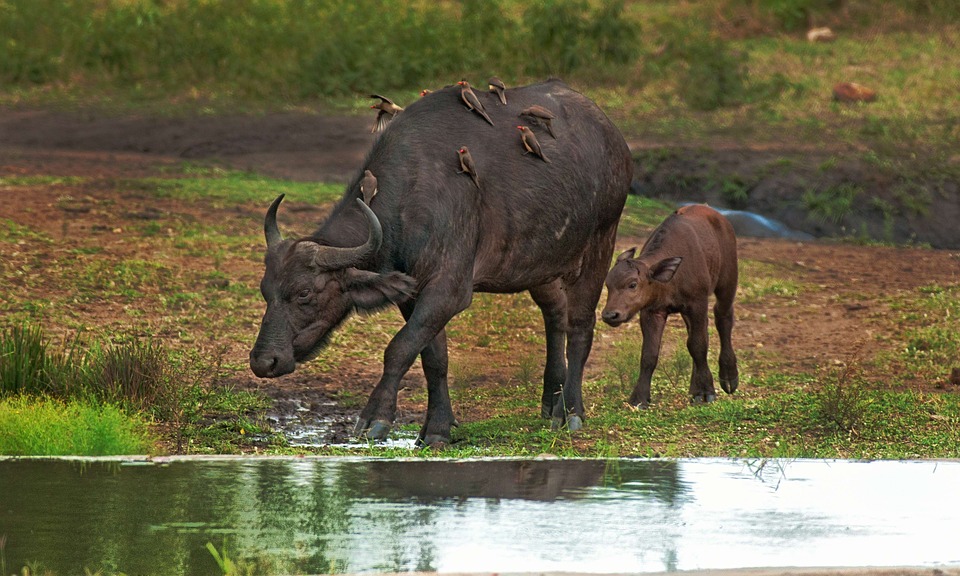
847 319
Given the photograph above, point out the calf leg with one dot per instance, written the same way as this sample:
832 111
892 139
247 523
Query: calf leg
701 380
723 316
434 307
651 325
553 304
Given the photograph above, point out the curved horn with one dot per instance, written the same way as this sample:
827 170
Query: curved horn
333 258
270 229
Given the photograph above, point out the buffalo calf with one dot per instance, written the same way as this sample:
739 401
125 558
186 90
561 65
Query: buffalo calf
692 254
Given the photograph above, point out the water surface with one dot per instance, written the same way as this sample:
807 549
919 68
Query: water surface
302 515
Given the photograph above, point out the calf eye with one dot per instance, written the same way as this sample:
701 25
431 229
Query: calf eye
633 285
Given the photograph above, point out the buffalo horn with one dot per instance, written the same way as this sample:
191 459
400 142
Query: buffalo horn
335 258
270 229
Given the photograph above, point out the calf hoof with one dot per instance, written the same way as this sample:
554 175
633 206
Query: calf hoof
730 386
376 430
574 423
557 423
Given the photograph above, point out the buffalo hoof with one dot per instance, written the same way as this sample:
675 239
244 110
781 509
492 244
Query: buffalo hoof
729 386
571 423
433 441
703 399
377 430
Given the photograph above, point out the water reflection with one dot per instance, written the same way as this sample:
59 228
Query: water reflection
333 515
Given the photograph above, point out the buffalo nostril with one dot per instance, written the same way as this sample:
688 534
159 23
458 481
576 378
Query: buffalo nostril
264 366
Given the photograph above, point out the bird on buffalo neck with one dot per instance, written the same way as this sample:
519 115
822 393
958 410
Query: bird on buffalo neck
387 110
471 101
368 186
530 143
499 88
467 166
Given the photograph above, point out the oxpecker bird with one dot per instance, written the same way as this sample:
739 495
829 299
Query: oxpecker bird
467 166
425 91
387 111
541 115
498 88
368 186
530 142
471 100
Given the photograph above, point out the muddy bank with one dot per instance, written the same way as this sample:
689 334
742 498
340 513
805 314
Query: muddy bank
824 193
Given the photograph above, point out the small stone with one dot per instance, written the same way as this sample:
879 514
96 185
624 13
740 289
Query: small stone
853 92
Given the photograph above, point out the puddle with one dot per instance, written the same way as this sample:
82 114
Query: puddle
324 515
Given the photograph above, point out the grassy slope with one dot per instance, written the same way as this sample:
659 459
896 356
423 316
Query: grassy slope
826 414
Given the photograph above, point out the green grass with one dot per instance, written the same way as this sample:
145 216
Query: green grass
37 426
668 70
192 286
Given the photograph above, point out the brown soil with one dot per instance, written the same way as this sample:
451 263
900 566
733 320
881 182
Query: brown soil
839 322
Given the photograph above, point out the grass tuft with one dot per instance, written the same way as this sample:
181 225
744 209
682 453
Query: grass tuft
52 427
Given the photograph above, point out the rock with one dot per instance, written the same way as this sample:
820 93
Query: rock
822 34
853 92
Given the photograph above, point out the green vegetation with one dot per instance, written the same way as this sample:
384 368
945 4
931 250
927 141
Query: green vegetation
31 426
671 70
97 398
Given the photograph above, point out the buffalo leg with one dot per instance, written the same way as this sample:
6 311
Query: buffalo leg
651 326
723 315
701 380
552 302
435 306
435 366
583 294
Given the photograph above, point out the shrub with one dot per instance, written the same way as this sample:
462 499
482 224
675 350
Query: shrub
841 402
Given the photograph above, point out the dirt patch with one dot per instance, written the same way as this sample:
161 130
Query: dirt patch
838 321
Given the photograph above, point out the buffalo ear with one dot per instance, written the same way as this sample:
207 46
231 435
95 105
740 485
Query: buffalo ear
663 270
627 255
370 291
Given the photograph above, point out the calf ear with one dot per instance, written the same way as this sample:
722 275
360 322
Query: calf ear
627 255
663 270
370 291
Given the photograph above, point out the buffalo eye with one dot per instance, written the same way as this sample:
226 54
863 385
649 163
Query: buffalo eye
303 297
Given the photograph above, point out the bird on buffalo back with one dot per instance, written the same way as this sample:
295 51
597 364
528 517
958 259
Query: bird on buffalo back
541 115
471 101
499 88
467 166
530 143
387 110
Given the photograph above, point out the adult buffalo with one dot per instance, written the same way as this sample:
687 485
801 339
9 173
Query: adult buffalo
431 238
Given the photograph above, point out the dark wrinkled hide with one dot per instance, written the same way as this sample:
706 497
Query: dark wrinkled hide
546 228
691 255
